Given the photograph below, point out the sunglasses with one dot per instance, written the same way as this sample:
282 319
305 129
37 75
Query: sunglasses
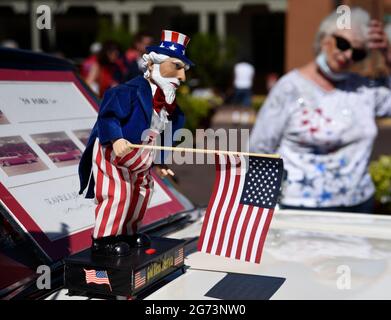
344 45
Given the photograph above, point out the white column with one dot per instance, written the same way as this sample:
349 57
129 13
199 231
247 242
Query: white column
35 33
220 25
203 22
116 18
133 22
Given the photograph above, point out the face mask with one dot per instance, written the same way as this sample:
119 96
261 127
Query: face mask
165 84
321 61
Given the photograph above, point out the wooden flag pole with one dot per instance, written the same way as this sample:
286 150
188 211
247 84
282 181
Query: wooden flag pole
176 149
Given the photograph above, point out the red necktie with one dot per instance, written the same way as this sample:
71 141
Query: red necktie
159 101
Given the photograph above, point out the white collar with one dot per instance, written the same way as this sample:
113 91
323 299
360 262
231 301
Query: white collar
153 87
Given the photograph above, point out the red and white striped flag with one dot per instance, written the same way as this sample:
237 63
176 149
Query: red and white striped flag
241 207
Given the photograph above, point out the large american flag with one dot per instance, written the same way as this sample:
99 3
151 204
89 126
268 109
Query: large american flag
241 207
98 277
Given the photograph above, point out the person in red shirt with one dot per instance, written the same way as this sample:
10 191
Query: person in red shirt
88 62
106 71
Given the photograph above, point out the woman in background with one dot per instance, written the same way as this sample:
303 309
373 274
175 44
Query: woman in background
321 119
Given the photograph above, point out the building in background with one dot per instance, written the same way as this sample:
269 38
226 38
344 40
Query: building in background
277 35
258 25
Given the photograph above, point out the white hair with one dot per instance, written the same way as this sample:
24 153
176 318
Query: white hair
154 58
359 21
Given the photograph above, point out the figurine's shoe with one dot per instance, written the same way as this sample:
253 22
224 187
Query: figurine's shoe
138 240
110 246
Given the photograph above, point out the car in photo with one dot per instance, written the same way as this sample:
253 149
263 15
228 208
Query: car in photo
15 158
65 155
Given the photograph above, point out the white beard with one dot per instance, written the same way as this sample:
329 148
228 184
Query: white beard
165 84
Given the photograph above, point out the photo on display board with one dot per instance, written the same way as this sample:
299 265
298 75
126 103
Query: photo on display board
17 157
83 135
59 147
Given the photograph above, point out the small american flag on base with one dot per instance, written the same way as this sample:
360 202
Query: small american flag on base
178 257
98 277
241 207
140 278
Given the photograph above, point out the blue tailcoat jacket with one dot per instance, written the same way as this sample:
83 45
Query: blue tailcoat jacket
125 112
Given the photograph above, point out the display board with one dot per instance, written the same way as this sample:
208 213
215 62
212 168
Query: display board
45 121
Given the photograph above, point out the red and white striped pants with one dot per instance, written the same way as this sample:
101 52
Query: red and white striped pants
123 189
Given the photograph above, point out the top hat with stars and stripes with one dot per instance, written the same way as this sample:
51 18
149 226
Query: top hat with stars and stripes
172 44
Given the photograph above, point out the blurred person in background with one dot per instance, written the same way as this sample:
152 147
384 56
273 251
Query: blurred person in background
107 70
243 83
133 56
321 119
88 62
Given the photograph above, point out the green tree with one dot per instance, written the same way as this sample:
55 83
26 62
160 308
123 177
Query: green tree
107 31
213 58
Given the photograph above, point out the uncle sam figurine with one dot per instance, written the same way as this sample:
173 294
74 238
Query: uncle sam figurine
117 176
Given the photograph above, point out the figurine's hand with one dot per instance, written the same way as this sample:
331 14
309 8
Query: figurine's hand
164 171
121 147
377 36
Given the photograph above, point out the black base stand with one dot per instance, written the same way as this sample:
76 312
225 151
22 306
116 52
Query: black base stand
127 276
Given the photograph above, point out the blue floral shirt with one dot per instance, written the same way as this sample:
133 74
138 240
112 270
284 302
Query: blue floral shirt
324 137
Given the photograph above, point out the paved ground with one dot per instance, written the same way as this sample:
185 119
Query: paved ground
195 181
